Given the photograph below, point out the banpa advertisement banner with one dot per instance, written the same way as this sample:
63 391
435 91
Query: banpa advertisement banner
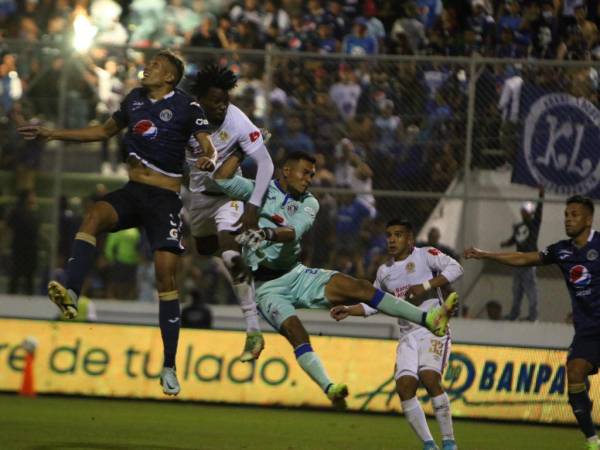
559 146
125 361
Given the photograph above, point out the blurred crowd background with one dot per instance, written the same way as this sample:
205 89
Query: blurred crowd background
369 87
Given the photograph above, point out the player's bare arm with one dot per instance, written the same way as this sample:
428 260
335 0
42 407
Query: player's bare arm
87 134
208 160
340 312
415 294
517 259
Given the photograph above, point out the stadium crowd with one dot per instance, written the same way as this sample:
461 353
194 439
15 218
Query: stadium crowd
404 121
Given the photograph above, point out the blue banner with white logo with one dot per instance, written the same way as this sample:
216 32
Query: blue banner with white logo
560 142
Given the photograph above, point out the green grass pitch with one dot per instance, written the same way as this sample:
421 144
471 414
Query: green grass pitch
56 423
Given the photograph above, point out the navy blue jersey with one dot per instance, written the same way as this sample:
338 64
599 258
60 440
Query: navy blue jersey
581 269
158 131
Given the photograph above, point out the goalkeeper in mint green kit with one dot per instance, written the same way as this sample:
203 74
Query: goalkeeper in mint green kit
283 284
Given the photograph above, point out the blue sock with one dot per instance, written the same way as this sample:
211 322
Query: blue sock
169 319
582 408
81 261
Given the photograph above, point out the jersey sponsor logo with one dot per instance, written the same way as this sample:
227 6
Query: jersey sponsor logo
592 255
254 136
136 105
579 276
166 115
410 267
434 252
146 128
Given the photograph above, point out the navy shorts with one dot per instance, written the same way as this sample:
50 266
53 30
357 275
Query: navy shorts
586 347
156 210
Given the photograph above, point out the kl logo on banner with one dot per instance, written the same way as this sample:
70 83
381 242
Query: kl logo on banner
559 147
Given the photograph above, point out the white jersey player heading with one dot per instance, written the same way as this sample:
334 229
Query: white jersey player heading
236 132
420 266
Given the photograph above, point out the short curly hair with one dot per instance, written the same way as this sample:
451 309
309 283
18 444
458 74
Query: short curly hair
213 76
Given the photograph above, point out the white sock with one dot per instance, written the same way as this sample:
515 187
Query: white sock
245 295
416 417
441 408
593 439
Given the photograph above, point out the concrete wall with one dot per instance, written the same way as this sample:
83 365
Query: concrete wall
317 322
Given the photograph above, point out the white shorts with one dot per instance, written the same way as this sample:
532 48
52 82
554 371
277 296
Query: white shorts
419 351
212 213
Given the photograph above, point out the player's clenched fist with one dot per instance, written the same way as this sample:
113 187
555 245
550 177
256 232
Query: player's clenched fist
339 312
205 163
473 252
31 132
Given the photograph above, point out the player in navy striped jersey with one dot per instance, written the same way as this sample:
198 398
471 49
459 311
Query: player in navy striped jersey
417 274
160 119
579 260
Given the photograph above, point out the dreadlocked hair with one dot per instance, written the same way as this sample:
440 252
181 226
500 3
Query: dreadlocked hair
213 76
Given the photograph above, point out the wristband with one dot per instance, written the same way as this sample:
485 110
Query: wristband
426 285
269 233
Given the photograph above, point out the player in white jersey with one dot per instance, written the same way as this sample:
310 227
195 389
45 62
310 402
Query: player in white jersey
215 219
417 274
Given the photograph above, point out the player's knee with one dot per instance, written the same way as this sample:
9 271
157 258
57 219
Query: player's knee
575 375
92 222
432 384
165 280
361 290
406 386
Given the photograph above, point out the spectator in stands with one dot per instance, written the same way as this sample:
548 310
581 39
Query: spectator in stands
587 27
296 140
544 32
68 224
121 250
11 87
509 106
346 92
196 313
433 240
352 171
525 237
389 130
205 35
105 16
359 41
429 12
24 223
493 309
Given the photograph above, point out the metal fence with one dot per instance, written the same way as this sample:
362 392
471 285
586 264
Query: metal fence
431 139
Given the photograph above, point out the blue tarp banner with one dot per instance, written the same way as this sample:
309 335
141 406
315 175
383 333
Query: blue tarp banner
560 142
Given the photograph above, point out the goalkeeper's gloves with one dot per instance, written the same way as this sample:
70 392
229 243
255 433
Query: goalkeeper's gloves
253 238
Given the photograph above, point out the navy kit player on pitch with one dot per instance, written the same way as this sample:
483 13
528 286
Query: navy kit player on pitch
159 119
215 218
416 273
283 284
579 260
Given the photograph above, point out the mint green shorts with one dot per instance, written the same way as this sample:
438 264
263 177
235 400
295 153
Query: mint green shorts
302 287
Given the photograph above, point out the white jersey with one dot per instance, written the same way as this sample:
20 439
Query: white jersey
421 265
236 132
